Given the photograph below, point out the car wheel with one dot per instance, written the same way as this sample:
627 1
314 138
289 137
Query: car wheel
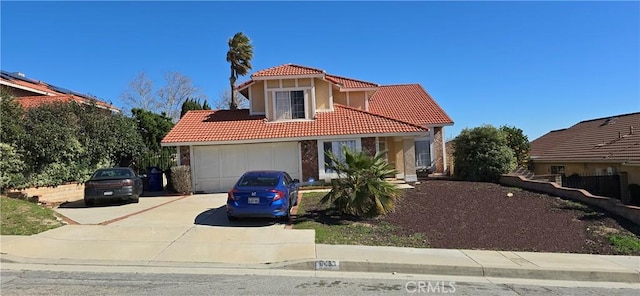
89 202
295 200
286 218
232 218
136 199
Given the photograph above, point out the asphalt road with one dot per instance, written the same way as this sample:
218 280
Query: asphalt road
92 283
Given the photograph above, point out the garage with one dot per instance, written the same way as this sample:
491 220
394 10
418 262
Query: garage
217 168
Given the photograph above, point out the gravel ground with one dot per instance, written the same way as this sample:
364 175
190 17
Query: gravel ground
473 215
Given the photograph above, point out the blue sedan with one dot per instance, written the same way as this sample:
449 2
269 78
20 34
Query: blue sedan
263 194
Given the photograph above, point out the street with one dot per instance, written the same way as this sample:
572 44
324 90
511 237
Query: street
45 282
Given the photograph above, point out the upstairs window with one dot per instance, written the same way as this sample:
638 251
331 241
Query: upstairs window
290 105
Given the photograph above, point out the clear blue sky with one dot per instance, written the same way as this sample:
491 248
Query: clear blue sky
538 66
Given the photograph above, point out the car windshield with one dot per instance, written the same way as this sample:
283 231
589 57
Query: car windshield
258 181
110 173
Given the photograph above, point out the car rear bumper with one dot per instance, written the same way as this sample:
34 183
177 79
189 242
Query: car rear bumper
258 212
124 193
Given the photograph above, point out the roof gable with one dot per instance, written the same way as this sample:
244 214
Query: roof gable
615 138
410 103
287 70
350 83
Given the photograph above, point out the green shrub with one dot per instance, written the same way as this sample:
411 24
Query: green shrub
361 188
11 166
181 178
482 154
518 142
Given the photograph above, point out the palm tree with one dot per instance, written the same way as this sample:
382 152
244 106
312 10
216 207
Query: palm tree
361 189
239 55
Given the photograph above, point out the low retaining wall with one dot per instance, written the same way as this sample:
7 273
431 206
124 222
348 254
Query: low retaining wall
612 205
58 194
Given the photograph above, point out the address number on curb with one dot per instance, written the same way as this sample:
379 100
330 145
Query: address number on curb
327 265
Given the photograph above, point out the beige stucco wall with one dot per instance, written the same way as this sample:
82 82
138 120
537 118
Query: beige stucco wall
303 82
257 97
322 94
399 157
339 97
357 100
543 168
273 83
288 83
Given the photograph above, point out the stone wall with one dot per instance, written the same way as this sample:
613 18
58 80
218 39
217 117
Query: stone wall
612 205
438 137
309 153
369 146
185 155
58 194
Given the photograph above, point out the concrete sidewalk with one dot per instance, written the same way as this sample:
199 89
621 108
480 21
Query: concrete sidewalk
194 231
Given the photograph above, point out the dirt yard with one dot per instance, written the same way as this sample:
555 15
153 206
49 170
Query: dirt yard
472 215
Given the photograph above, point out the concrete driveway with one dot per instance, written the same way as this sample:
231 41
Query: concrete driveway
165 229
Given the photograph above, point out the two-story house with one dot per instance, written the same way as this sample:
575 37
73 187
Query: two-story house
296 114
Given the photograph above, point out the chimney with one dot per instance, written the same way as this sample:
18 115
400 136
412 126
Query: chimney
631 129
619 135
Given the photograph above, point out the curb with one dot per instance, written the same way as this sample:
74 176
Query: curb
371 267
478 271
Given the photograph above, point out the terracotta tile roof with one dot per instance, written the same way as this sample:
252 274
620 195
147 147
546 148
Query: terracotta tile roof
615 138
345 82
36 85
409 103
34 101
287 69
60 94
226 125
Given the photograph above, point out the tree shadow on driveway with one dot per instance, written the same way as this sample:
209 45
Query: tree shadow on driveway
218 217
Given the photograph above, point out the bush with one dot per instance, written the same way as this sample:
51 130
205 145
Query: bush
11 166
361 189
482 154
518 142
181 178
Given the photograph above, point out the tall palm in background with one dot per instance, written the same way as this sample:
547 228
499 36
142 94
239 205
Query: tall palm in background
239 55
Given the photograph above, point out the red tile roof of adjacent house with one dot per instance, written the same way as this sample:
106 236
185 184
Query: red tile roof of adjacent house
238 125
345 82
615 138
409 103
287 69
49 93
34 101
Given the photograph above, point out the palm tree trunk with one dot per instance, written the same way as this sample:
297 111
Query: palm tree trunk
233 104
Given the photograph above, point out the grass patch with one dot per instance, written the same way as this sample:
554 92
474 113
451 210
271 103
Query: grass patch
572 205
625 243
332 228
21 217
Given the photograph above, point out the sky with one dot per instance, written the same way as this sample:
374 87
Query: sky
538 66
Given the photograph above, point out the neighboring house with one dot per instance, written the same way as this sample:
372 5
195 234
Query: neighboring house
298 113
30 92
602 146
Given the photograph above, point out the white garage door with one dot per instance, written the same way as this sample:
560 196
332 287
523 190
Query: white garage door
217 168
